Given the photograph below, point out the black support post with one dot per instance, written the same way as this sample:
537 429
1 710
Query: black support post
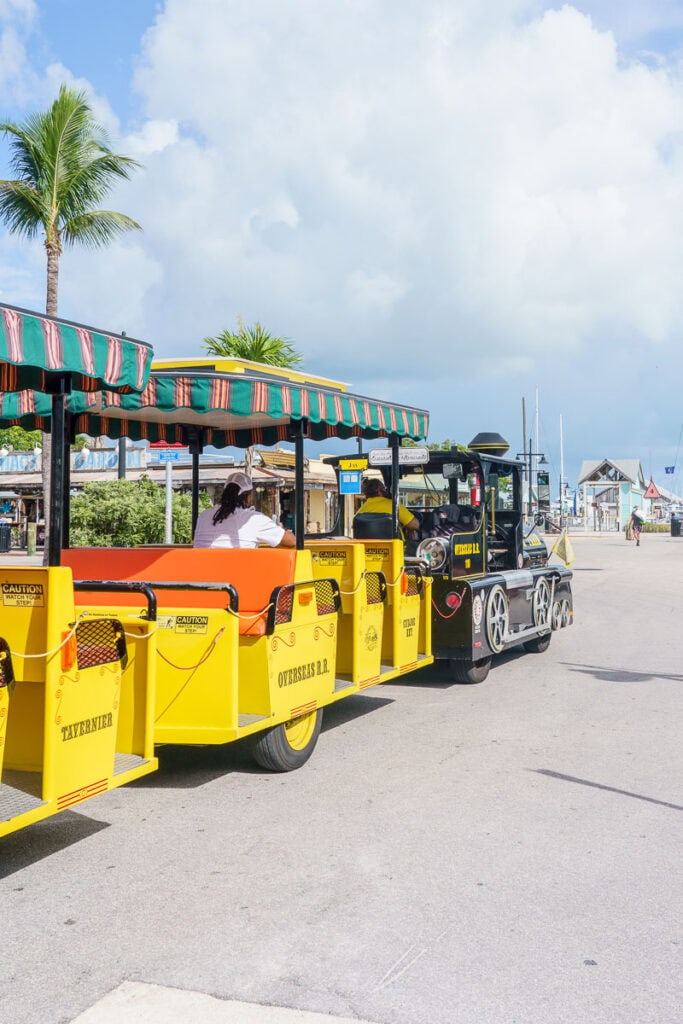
66 499
298 430
60 386
196 445
394 442
122 458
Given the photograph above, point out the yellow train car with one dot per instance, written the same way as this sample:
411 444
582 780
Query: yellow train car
212 645
69 726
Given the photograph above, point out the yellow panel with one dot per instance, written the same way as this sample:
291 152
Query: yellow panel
208 364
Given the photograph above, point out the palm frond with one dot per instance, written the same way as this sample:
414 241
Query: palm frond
21 208
63 168
255 344
97 227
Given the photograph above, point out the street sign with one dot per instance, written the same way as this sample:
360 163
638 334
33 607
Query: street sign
406 456
349 481
353 463
168 455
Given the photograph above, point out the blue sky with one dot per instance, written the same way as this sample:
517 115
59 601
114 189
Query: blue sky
451 203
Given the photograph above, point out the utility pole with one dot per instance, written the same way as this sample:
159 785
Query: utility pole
561 476
525 506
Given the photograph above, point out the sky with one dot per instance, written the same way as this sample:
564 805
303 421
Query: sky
457 204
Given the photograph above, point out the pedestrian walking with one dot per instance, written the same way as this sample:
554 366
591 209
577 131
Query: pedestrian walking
636 524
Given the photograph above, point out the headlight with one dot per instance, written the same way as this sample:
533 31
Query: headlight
434 550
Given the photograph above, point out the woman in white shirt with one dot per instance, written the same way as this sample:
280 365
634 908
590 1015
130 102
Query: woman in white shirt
235 523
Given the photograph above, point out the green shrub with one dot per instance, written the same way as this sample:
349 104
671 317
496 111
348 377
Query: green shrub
126 513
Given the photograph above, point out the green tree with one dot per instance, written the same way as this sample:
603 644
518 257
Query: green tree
253 343
64 168
20 440
258 345
126 513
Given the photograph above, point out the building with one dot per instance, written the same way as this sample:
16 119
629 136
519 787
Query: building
613 487
272 472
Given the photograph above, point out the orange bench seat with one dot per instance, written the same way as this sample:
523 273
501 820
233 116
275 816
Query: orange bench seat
254 573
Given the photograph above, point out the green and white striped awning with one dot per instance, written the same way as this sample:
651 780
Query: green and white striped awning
35 348
227 409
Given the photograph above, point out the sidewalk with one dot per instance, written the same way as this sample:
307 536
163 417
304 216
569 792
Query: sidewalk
138 1003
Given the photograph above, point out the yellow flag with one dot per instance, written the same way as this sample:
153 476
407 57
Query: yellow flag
563 549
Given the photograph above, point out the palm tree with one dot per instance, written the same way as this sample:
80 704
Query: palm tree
253 343
64 168
258 345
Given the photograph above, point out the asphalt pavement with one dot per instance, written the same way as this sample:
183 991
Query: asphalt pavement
507 853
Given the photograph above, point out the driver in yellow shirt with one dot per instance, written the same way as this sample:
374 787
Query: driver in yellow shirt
377 500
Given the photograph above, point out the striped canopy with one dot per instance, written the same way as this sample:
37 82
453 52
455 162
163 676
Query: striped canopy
228 409
35 348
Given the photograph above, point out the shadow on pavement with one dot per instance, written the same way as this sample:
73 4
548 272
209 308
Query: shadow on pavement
353 707
598 785
438 676
36 842
611 675
189 767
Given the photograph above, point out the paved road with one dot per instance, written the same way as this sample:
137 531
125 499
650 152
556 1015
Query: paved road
508 852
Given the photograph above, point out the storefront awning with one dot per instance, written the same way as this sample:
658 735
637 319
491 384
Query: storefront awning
228 409
35 348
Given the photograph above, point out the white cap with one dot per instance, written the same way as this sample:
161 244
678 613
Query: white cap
243 482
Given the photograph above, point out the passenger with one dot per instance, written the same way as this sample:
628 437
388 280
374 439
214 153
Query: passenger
235 523
377 500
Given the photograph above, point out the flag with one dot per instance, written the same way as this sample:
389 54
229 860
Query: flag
563 549
669 469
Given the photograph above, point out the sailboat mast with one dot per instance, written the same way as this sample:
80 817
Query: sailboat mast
561 476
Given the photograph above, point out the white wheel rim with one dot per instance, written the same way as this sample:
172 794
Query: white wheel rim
557 615
497 619
565 613
541 603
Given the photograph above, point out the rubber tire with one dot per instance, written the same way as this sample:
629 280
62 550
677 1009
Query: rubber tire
469 671
271 749
538 645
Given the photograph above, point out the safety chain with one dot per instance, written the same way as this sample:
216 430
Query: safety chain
48 654
191 668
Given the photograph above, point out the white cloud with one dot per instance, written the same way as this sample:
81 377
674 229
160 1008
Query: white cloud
491 184
374 292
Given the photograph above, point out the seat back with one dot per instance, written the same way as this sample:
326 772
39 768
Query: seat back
253 572
372 526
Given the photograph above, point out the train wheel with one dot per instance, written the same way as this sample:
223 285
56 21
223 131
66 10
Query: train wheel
541 604
538 645
286 747
497 618
469 671
557 615
566 614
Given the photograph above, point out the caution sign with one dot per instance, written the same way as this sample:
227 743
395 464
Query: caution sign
191 623
23 595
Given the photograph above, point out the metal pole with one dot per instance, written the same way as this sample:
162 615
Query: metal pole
168 532
196 446
122 458
298 430
56 497
394 443
66 513
561 476
525 509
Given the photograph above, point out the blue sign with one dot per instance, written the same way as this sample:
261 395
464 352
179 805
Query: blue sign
349 481
170 455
